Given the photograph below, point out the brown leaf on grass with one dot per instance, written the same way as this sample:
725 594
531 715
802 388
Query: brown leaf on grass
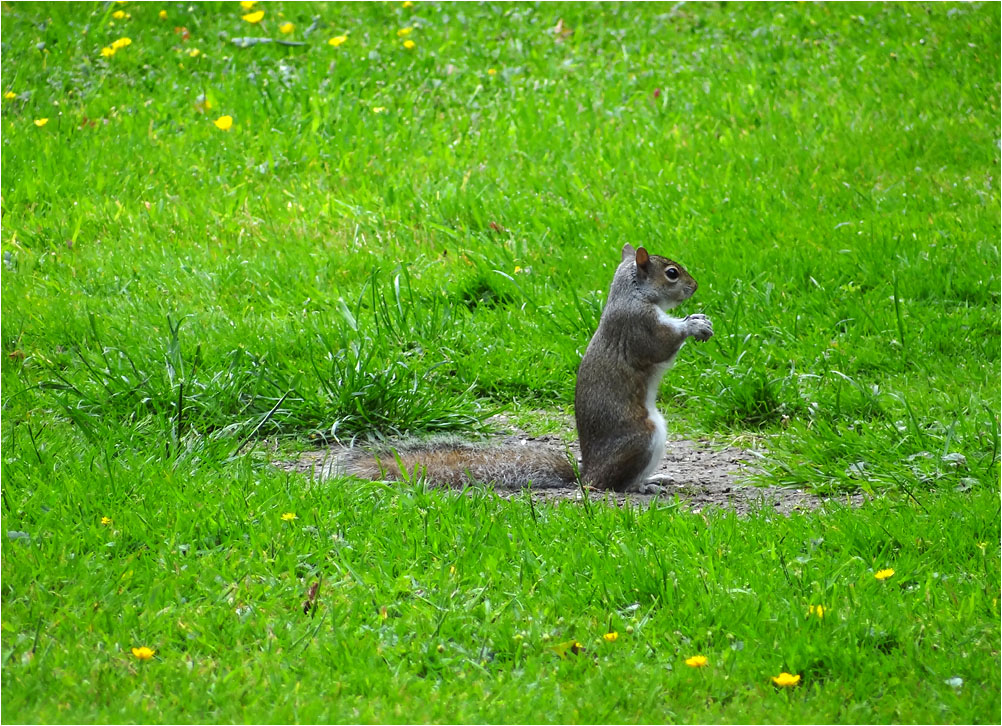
562 31
310 602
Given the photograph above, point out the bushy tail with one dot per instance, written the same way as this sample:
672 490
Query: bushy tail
505 467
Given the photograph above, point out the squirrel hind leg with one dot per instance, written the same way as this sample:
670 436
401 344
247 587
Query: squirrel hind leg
626 471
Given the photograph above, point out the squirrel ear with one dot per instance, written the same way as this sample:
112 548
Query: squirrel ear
642 257
628 252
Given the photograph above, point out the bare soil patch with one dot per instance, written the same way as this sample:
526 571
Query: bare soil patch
700 473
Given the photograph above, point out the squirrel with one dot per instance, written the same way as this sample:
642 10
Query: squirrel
622 434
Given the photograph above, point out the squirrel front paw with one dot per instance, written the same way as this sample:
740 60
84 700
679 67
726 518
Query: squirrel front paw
699 326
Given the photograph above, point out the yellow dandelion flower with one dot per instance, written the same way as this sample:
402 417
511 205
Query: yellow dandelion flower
818 610
409 44
247 4
143 653
697 661
405 31
163 14
41 122
105 520
337 40
254 17
379 109
883 574
121 43
120 15
610 637
224 123
287 28
107 51
408 4
10 95
288 516
786 680
194 53
492 71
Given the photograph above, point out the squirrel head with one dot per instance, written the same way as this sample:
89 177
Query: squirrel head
661 281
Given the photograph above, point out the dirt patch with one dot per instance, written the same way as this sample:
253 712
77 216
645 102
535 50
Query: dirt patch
700 473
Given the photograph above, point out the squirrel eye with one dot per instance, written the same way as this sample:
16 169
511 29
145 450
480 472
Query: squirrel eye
671 273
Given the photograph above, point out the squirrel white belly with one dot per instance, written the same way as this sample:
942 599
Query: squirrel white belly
621 431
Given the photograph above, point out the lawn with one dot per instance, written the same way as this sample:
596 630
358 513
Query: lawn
402 219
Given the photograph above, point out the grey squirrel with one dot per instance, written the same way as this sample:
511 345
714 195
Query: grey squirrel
622 434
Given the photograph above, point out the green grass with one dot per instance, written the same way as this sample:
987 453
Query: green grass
397 241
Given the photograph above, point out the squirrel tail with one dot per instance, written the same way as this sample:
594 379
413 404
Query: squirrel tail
506 467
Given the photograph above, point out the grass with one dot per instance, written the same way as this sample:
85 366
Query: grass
400 241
